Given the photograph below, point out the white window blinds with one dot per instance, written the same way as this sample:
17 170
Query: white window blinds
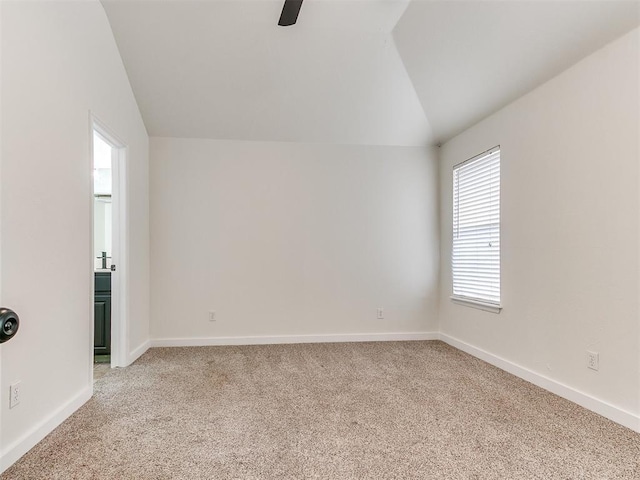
476 228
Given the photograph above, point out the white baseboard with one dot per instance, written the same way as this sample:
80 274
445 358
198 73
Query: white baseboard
17 449
281 339
138 352
600 407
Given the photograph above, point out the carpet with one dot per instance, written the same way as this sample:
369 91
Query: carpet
391 410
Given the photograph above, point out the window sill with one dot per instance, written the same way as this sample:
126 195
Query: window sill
470 302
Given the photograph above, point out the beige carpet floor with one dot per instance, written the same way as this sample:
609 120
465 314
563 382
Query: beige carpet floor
398 410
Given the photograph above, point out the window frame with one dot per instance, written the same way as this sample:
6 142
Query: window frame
472 301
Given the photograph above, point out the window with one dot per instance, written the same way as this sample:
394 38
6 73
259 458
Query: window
475 258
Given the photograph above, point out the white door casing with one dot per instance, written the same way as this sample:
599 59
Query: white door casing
119 298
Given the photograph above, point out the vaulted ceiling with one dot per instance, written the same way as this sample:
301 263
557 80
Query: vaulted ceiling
468 59
376 72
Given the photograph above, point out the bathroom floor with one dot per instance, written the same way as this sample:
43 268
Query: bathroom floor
101 366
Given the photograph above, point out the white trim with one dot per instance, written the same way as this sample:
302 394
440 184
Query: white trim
119 280
473 303
282 339
138 352
486 153
618 415
29 440
92 262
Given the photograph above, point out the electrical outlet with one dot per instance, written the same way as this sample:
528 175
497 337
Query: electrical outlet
14 395
212 316
380 314
593 360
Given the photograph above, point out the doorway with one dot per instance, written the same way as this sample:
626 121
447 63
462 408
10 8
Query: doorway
108 262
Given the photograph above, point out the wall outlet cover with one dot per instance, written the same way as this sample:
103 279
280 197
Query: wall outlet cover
593 360
14 394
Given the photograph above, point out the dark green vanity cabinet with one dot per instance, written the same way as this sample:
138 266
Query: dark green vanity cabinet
102 311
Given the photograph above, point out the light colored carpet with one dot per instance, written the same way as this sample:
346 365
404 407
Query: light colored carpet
334 411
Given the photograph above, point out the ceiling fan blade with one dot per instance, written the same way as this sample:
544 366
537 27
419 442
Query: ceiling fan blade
290 12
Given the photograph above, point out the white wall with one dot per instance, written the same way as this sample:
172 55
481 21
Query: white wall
99 228
59 61
570 240
102 231
291 239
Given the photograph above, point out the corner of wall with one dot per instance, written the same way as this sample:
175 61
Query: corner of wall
32 437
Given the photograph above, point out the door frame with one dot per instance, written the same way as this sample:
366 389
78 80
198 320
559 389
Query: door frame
120 245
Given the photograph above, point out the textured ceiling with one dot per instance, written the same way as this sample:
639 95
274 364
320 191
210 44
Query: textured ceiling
377 72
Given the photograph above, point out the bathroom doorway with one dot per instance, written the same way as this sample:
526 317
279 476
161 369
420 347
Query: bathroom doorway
108 263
